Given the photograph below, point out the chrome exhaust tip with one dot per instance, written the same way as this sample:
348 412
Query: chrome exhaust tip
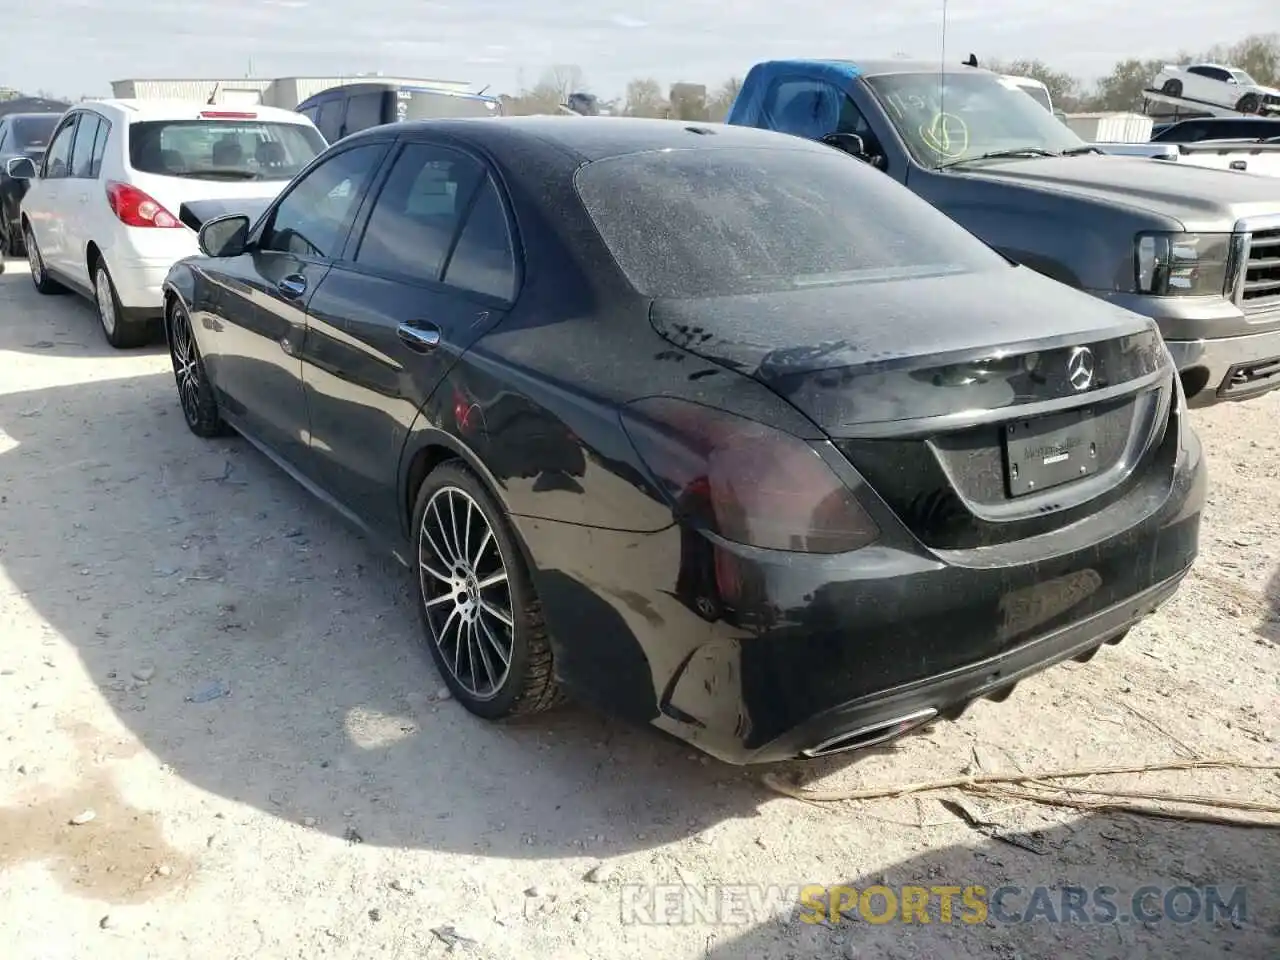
871 735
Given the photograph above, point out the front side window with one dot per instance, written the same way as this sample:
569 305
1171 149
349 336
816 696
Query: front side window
313 218
416 215
222 149
713 222
57 161
944 118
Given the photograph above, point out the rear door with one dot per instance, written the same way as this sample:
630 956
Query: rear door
86 197
430 269
256 350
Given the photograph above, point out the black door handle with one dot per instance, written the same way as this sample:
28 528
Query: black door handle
293 286
419 338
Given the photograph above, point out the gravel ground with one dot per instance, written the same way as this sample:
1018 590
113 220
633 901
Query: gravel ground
224 675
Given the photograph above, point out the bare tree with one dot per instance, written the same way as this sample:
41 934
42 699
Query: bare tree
644 99
564 79
722 100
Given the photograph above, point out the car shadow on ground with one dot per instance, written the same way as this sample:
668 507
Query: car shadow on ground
1176 861
74 330
264 651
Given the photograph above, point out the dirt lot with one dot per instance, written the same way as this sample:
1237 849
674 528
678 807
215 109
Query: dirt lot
329 805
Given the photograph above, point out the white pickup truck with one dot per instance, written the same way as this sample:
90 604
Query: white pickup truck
1245 156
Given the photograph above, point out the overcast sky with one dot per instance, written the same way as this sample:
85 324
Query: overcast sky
75 47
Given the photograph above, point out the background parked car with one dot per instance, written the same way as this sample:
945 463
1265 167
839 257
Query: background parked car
350 108
21 135
1218 128
1217 84
652 426
101 216
1192 248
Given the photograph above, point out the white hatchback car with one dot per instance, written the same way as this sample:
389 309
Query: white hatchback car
101 216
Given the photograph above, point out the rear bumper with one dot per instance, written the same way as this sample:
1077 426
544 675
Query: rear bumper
140 285
1229 368
868 720
759 656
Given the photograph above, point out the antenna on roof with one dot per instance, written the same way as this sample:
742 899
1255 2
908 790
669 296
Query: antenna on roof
942 80
483 89
972 61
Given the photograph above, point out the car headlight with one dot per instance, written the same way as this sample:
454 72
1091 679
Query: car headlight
1182 264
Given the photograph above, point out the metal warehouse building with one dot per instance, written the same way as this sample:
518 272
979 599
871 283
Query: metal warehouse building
286 92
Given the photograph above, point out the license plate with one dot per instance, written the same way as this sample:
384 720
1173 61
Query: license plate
1045 452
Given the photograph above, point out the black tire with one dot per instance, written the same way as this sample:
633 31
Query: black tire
528 685
1249 103
120 333
39 275
1172 88
195 393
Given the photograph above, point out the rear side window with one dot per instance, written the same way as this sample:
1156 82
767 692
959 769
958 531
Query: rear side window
364 110
435 105
484 259
417 213
82 151
222 149
716 222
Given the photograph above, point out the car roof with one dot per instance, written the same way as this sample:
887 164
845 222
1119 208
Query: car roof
595 138
136 111
358 89
30 114
850 69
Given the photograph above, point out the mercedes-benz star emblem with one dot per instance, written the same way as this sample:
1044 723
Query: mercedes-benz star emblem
1080 368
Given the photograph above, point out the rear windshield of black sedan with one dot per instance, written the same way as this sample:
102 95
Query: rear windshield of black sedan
715 222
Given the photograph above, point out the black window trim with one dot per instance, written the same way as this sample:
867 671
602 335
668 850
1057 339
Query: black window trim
102 121
4 131
107 124
356 235
71 119
268 215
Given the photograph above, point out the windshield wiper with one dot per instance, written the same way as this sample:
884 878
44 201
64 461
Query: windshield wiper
1080 151
998 154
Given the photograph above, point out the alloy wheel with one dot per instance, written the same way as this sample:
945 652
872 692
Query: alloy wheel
186 365
106 300
33 258
465 592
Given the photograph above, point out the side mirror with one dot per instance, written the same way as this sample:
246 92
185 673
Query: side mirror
224 236
855 146
850 143
20 168
1061 115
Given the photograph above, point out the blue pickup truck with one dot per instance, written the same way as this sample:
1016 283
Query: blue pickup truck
1196 249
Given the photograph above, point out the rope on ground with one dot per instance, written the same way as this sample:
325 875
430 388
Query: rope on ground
1030 786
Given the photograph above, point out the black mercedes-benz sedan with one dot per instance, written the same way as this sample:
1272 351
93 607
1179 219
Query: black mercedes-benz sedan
714 428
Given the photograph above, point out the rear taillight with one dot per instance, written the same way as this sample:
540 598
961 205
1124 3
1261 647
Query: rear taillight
136 209
744 481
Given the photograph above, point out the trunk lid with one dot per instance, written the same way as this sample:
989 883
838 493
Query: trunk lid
980 408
